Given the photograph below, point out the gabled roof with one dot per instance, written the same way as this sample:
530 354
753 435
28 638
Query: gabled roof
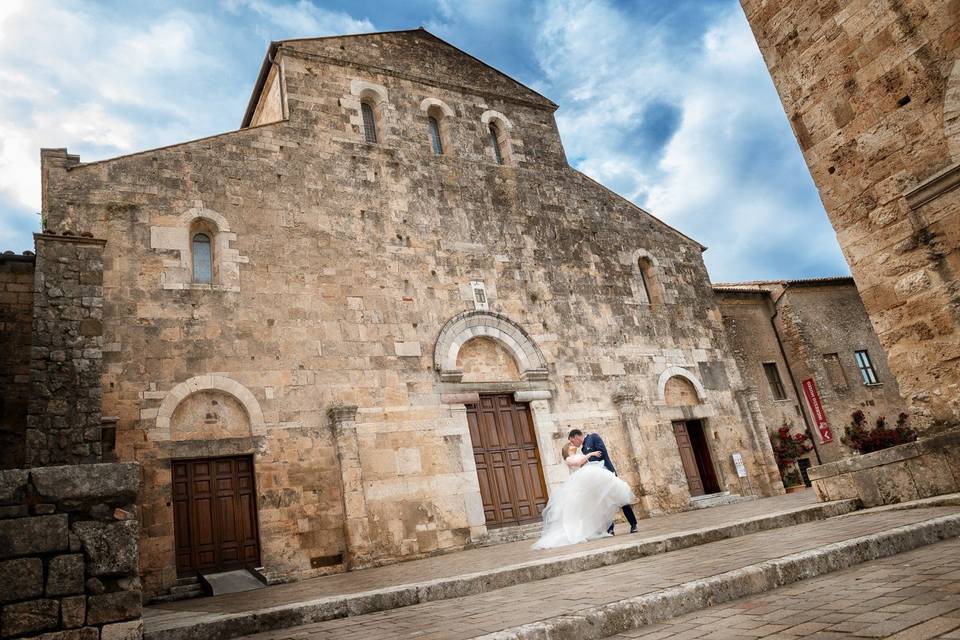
324 46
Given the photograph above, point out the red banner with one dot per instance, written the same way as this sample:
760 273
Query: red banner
816 408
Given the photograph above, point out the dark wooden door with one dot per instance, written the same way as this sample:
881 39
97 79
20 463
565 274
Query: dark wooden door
688 458
508 461
214 514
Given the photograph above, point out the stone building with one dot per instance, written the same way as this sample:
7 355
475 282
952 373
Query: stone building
810 350
872 90
358 329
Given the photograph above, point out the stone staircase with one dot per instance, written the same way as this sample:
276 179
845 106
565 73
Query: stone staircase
717 499
501 535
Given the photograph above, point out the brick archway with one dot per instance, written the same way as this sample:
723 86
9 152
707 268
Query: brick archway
473 324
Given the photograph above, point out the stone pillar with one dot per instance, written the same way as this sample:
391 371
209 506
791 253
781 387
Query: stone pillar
356 527
625 402
63 416
764 459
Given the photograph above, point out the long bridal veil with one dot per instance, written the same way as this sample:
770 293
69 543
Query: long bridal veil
583 507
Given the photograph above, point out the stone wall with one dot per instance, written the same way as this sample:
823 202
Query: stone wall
16 320
922 469
872 90
818 320
345 260
64 414
809 329
68 553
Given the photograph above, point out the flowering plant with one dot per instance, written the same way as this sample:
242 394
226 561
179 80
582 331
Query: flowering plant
788 447
863 440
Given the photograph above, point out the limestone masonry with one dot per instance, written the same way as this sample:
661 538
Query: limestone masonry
358 329
872 90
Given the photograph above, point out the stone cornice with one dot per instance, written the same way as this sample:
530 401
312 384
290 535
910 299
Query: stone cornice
934 187
75 239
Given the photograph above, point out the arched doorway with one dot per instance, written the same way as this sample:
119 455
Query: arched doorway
682 390
492 357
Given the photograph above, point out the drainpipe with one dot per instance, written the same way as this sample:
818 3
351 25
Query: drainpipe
793 381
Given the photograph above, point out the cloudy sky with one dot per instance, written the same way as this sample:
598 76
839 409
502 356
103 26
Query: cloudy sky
667 103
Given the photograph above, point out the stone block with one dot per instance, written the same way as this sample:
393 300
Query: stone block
11 480
65 575
113 607
73 611
21 579
931 475
29 617
895 483
115 482
85 633
132 630
111 546
27 536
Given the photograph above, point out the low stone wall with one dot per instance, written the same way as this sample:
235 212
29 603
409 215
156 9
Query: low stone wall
68 553
921 469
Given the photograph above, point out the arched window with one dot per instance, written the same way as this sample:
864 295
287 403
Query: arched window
369 122
495 141
435 136
202 259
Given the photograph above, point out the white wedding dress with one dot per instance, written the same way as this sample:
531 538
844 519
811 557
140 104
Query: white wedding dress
583 507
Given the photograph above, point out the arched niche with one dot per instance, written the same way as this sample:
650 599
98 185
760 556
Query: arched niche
684 386
201 392
472 324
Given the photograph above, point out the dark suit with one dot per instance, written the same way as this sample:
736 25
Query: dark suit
593 442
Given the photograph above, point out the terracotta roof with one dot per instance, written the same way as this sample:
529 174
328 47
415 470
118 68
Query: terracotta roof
758 285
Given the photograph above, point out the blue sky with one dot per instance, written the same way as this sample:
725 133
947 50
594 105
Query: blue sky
667 103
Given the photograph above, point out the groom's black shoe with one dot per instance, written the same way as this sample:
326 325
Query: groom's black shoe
610 530
633 529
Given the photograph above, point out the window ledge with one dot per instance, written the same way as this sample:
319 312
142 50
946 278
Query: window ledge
873 384
193 286
783 400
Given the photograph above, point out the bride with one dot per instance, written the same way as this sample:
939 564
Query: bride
584 506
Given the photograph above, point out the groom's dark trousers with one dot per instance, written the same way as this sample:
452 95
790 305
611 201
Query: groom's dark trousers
594 442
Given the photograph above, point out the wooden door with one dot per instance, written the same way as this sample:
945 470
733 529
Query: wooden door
688 458
508 461
214 514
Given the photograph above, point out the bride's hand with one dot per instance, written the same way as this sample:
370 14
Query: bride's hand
594 454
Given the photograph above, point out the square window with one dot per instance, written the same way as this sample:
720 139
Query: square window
866 367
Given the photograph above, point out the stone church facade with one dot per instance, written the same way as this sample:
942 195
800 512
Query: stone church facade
872 90
358 329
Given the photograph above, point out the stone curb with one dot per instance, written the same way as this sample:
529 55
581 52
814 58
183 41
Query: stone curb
230 625
617 617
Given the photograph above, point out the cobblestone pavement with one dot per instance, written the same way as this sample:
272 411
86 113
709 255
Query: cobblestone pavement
470 616
913 595
475 560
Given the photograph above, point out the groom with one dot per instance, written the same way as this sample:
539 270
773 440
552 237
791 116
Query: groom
591 443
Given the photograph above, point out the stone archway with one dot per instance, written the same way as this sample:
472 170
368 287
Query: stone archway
472 324
679 372
207 383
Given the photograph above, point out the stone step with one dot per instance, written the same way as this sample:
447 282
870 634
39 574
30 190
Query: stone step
204 623
718 499
608 619
512 534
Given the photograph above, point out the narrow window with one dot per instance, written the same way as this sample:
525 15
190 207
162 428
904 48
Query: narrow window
369 123
646 285
866 367
773 378
202 259
835 373
435 136
495 141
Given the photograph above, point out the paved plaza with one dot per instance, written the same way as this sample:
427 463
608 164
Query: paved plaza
913 595
511 607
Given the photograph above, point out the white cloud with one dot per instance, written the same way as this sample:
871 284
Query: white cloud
728 173
302 18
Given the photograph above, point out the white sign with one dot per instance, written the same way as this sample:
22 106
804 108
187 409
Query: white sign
479 296
738 463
